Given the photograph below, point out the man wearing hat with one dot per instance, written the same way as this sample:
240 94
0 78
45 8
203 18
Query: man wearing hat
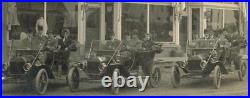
148 43
65 45
236 46
135 43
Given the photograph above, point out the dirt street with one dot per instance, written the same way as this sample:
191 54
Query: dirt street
230 86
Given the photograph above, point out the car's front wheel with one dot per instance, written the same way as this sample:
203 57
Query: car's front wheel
242 72
73 79
217 77
175 76
41 81
155 77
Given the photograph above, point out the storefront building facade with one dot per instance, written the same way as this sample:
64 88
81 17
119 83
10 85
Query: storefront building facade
172 24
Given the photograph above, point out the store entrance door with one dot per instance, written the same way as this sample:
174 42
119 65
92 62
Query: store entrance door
183 32
93 22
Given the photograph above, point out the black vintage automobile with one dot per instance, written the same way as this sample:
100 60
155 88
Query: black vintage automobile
104 60
33 65
206 57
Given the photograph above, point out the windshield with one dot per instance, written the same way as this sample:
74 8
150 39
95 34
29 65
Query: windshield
105 44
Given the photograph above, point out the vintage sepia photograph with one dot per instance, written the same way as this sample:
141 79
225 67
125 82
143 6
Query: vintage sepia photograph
125 48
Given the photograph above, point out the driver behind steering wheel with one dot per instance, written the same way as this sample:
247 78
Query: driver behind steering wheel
128 52
148 43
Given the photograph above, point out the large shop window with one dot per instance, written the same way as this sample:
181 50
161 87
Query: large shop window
59 16
213 22
24 19
134 19
109 13
161 23
62 16
231 20
195 23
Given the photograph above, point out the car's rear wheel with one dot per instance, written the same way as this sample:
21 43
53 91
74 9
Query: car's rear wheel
73 79
155 77
242 72
41 81
115 90
217 77
175 76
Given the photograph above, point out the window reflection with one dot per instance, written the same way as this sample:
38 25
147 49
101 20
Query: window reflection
195 23
134 19
62 15
161 23
28 19
231 20
213 22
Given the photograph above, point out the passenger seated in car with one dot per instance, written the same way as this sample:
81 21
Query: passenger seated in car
113 44
125 54
51 48
135 43
148 43
209 34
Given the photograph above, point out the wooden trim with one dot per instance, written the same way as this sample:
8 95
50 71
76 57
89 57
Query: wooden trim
155 3
148 18
94 5
215 5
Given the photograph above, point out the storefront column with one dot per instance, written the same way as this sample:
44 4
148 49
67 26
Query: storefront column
103 24
177 23
4 33
189 24
45 17
174 24
177 16
148 18
117 20
202 10
81 27
223 18
241 18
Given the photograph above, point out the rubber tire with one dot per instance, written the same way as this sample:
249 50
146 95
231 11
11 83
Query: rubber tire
153 82
38 89
175 77
73 83
243 71
217 77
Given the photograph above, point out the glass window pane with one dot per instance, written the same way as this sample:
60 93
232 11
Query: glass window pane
231 20
109 19
60 16
22 19
92 25
213 22
161 23
195 23
134 19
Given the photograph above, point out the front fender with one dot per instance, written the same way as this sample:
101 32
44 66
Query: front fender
182 64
